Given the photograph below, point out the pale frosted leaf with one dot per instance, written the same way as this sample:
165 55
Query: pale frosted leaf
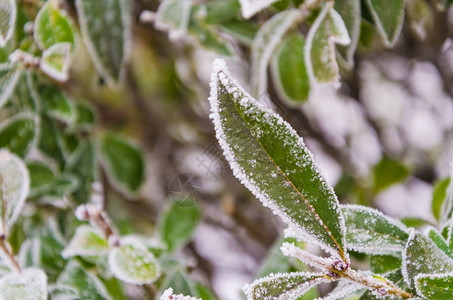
284 285
8 80
87 241
435 287
266 41
349 11
388 15
15 185
30 284
289 249
168 295
271 160
18 133
370 231
107 38
173 16
56 61
421 256
134 264
251 7
8 14
343 289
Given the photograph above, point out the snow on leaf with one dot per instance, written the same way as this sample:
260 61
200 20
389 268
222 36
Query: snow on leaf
349 11
343 289
439 240
388 15
8 14
173 16
327 30
370 231
56 61
421 256
284 285
266 41
15 185
8 79
271 160
133 263
251 7
30 284
434 287
168 295
87 241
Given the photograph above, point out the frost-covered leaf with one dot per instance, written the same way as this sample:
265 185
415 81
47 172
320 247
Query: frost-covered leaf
421 256
349 11
8 80
56 61
41 177
134 264
30 284
173 16
15 185
52 26
435 287
18 133
342 290
178 225
266 41
50 142
271 160
251 7
107 38
123 162
327 30
168 295
87 241
8 14
289 70
283 286
370 231
382 264
388 172
439 240
388 15
439 197
208 37
55 104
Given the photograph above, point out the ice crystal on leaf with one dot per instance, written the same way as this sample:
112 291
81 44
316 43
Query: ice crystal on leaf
168 295
251 7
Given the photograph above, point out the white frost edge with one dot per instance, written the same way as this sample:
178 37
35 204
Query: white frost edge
73 250
404 258
354 36
63 49
432 276
118 272
168 295
174 32
219 66
344 288
296 292
321 263
8 90
12 21
35 275
251 7
260 58
380 26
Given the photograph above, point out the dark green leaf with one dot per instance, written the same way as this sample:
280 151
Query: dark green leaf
414 222
179 283
388 172
435 287
41 177
382 264
55 104
49 140
18 133
439 196
203 292
388 15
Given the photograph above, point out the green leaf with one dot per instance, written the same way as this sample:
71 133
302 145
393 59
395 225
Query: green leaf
173 16
63 185
123 163
388 15
382 264
8 14
85 116
41 177
209 38
220 12
274 262
435 287
439 240
49 140
414 222
87 241
30 284
266 41
284 286
179 283
56 61
134 264
251 7
388 172
421 256
349 11
55 104
52 26
243 31
178 224
23 97
289 70
327 30
439 197
107 38
370 231
18 133
271 160
203 292
8 80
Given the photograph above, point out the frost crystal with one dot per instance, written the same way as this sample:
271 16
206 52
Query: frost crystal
343 289
251 7
168 295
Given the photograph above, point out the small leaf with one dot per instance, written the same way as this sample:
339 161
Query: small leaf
41 177
289 70
414 222
370 231
388 15
123 162
49 140
30 284
243 31
447 206
8 80
271 160
87 241
8 15
134 264
209 38
179 283
178 225
439 240
52 26
251 7
56 61
18 133
54 103
435 287
327 30
107 38
284 286
421 256
15 185
439 197
85 116
173 16
266 41
349 10
388 172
